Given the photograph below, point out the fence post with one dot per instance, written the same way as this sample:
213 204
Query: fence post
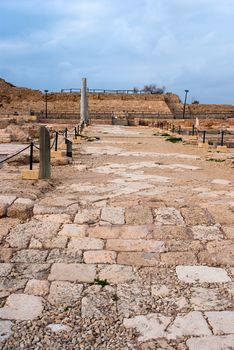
44 172
179 130
222 138
173 128
75 133
69 148
31 156
56 141
65 135
204 136
193 130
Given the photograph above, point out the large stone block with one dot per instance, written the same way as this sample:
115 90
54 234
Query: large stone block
72 272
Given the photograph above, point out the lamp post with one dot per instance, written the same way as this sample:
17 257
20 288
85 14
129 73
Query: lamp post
46 92
185 100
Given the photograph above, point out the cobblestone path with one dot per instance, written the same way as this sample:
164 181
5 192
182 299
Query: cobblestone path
133 250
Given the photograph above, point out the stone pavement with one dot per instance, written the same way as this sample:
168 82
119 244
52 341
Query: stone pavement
132 250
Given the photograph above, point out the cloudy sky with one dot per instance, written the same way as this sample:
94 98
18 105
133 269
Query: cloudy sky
182 44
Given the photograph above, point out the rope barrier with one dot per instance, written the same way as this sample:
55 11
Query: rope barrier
13 155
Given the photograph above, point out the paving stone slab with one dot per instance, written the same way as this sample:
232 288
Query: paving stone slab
211 342
191 324
207 233
86 243
222 322
135 245
151 326
64 293
72 272
64 256
37 287
73 230
113 215
201 274
22 307
208 299
139 215
87 216
116 273
138 259
168 216
119 231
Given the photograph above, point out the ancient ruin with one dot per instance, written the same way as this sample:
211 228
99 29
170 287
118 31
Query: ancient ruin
116 228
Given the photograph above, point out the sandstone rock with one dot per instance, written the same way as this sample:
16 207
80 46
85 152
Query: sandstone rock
22 307
22 208
37 287
72 230
18 238
32 271
138 259
168 216
88 216
174 258
5 330
119 231
113 215
116 273
221 322
139 215
30 256
9 285
86 243
135 245
197 216
65 293
55 218
64 256
151 326
201 274
207 233
171 232
192 324
72 272
100 257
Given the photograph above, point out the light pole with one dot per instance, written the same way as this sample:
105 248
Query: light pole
46 92
185 100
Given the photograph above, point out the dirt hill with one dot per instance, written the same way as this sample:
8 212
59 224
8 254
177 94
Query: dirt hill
20 100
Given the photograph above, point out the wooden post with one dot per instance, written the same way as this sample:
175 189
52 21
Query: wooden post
44 172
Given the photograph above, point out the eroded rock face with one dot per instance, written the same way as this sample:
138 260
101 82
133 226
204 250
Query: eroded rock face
22 307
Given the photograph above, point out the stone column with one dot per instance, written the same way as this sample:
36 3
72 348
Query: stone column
83 104
44 172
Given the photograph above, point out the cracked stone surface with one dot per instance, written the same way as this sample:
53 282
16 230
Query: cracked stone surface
130 246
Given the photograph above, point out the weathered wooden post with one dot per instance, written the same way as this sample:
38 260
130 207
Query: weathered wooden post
44 172
83 104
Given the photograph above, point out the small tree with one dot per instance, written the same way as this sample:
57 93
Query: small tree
154 89
195 102
135 90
